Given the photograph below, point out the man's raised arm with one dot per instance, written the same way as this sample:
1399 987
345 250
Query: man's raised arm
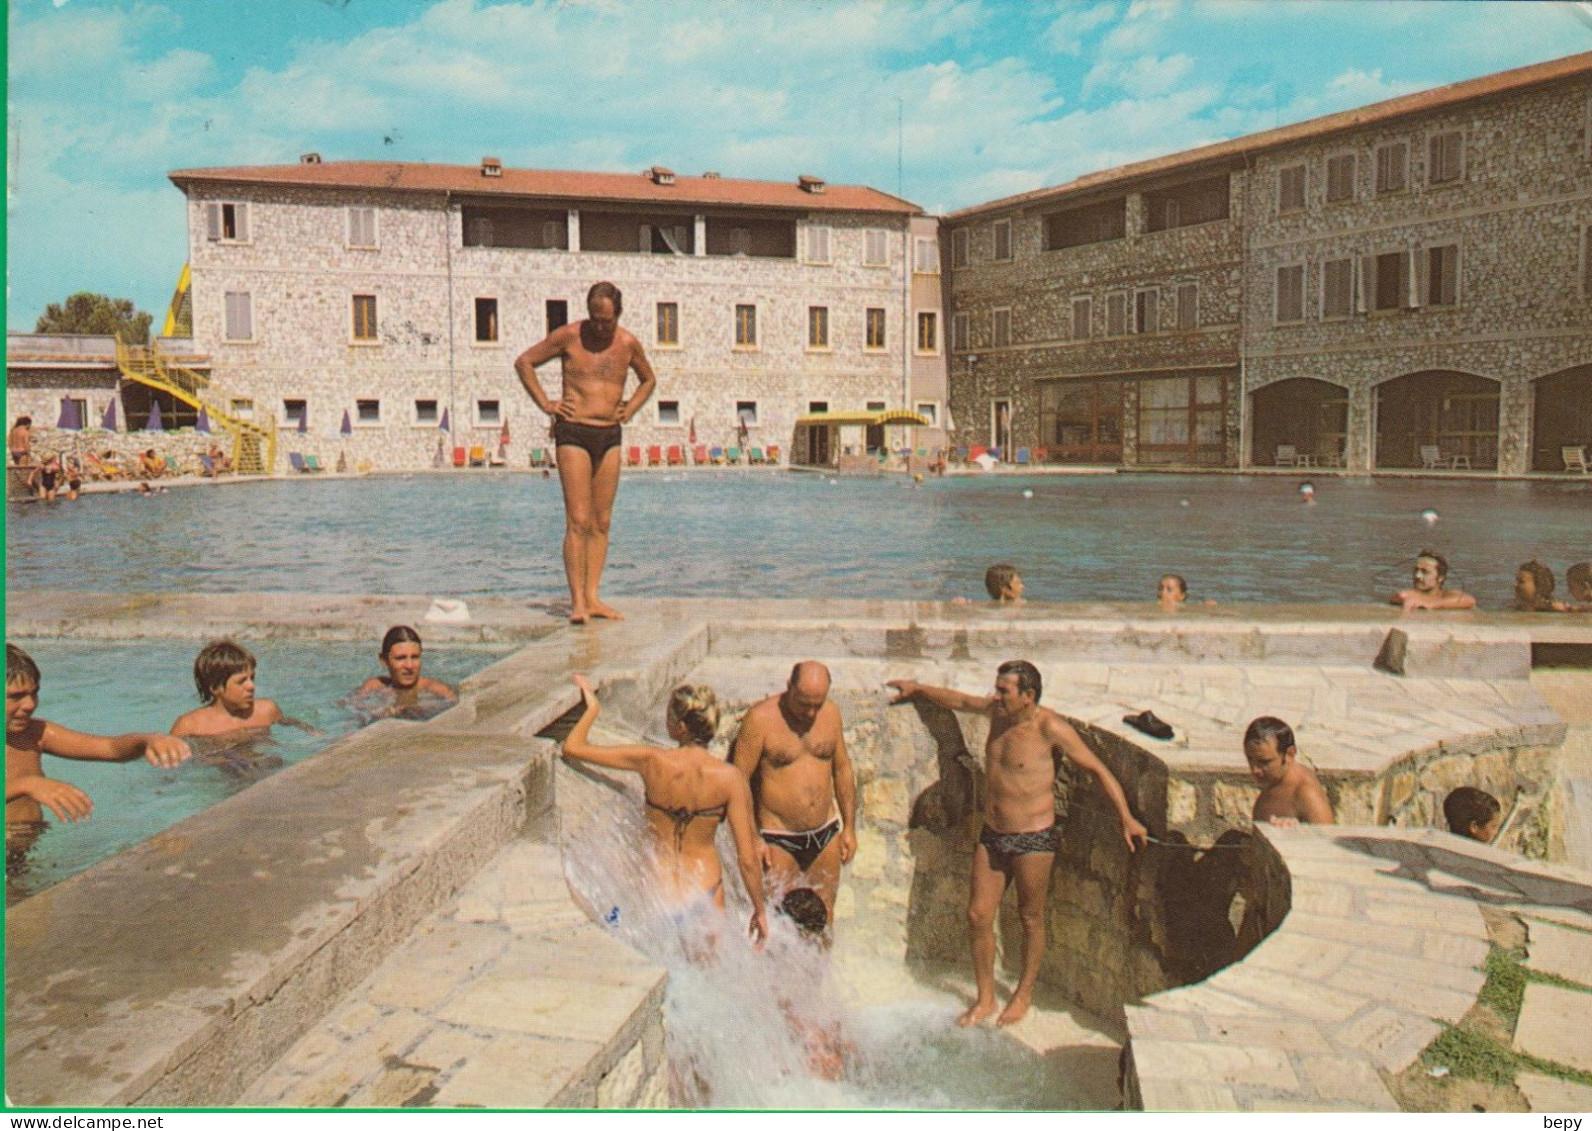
1066 738
939 696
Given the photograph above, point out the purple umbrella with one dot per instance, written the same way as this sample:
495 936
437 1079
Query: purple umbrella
153 423
108 421
443 424
347 428
69 421
203 423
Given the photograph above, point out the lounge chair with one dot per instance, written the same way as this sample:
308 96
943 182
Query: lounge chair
297 461
1574 457
773 454
207 466
755 456
633 455
676 455
172 466
1431 457
1287 456
715 455
974 452
699 454
961 455
460 457
313 463
654 455
1041 455
538 457
477 456
1023 456
733 455
494 459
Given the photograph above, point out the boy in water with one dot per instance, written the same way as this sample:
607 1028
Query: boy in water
1578 580
1290 793
1428 590
28 790
1473 813
231 718
1004 584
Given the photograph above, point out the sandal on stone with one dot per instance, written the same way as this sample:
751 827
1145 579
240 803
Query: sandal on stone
1146 722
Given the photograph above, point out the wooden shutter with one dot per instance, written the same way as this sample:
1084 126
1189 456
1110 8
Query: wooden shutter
212 221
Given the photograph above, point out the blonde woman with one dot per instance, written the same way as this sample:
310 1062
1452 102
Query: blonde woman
688 792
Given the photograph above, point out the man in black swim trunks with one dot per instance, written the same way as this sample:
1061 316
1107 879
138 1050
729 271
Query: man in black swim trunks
598 356
790 747
1020 837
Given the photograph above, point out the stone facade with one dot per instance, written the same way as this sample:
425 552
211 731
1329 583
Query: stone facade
295 264
1480 325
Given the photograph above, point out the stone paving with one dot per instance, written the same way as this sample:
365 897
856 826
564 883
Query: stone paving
1383 948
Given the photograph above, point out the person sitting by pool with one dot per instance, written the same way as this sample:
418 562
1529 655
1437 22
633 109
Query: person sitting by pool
104 466
29 791
1431 570
1473 813
20 441
220 462
46 479
688 792
1534 589
1004 584
1578 582
1290 792
399 692
232 719
151 466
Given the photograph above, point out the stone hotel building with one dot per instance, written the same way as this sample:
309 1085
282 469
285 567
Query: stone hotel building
400 295
1407 285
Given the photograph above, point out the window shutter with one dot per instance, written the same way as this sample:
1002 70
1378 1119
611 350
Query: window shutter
1152 311
242 216
1367 283
212 221
1412 294
644 238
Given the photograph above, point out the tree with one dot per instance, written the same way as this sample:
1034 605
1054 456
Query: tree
89 313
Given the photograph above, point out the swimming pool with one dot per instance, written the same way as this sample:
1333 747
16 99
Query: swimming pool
1077 538
118 688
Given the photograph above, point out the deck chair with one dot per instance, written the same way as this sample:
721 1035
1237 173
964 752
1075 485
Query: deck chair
1574 457
755 456
699 454
733 455
716 455
172 466
975 451
538 456
297 461
654 455
494 459
773 454
207 466
313 463
1287 455
998 453
1431 457
961 455
1023 456
1041 455
477 456
633 455
676 455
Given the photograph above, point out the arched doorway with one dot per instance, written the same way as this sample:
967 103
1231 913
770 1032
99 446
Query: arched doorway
1437 413
1310 416
1562 417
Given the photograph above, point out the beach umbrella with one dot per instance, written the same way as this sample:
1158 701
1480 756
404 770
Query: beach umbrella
693 431
347 428
203 423
69 420
153 423
108 421
443 423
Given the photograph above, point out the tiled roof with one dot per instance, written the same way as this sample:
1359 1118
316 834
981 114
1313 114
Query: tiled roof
1499 83
554 185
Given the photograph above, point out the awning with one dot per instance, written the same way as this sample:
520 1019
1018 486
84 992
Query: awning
888 416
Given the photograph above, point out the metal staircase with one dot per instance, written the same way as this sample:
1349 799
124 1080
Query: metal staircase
253 441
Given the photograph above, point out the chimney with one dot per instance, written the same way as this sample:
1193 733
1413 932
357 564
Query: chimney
814 185
711 175
661 176
309 159
491 167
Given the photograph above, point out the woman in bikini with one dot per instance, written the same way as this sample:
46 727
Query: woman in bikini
688 792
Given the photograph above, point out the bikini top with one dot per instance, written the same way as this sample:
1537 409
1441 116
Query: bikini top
682 817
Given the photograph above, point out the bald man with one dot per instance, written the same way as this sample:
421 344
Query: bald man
792 751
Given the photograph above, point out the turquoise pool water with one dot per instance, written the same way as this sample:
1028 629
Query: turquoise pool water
117 688
1078 538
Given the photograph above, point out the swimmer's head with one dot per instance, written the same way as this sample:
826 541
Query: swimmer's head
1533 584
24 422
596 296
1473 813
20 668
1269 749
22 688
1003 583
1431 570
1578 580
1172 590
694 710
400 653
1017 685
805 907
220 663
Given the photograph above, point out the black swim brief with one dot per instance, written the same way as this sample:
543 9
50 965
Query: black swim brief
1004 847
596 439
803 847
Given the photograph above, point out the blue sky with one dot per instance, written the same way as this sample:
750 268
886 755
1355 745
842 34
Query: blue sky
993 97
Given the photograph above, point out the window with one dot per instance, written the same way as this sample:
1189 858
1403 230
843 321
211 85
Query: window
1337 288
817 327
1291 293
1003 239
1147 312
1181 420
1188 296
1447 153
364 318
959 248
361 227
426 413
293 411
874 335
239 316
817 244
488 412
930 411
1000 326
875 406
557 314
668 323
1116 315
1392 166
226 223
746 413
1340 177
367 412
1093 223
959 327
486 320
927 260
817 406
1198 202
1082 311
740 241
243 409
1389 280
669 413
875 248
1442 275
1291 189
745 325
928 332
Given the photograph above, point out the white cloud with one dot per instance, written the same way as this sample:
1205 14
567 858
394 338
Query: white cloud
1073 25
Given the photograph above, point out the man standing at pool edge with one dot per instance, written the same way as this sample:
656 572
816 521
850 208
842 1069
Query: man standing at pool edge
588 418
